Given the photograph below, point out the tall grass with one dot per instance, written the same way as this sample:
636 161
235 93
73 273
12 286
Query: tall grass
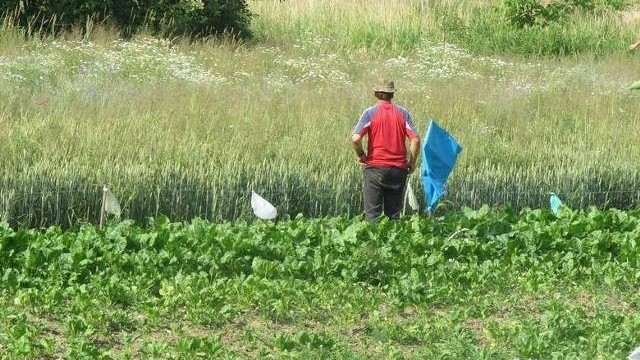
189 129
480 26
369 26
486 31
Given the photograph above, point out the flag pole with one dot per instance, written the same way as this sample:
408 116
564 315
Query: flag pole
406 194
102 207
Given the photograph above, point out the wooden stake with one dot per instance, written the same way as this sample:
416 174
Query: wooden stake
104 200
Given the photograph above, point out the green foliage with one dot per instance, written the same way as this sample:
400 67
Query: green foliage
575 26
476 283
617 4
523 13
530 28
198 18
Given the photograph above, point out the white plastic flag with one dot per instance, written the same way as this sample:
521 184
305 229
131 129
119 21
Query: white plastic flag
411 197
111 204
262 208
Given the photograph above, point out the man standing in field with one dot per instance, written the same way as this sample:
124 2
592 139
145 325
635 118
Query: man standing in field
385 163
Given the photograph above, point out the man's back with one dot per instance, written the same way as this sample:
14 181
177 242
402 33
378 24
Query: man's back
386 125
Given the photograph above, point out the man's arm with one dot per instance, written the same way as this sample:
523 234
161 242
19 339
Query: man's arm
356 139
360 130
414 150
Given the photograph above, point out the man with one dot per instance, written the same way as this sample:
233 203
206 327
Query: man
385 163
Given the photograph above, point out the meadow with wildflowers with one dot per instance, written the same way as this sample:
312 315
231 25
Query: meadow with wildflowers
188 129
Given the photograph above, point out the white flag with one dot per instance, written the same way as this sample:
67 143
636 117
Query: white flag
111 204
411 197
262 208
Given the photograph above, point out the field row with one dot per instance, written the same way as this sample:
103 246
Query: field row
480 284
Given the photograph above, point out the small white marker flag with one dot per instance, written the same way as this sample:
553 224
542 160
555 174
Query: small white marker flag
262 208
111 204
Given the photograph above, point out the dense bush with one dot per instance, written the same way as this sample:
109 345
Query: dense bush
521 13
168 17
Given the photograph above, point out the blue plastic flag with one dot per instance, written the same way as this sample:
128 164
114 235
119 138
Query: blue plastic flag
555 203
439 154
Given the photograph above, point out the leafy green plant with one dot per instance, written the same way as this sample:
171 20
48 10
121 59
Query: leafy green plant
479 283
523 13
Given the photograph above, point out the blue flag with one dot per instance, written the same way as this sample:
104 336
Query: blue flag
439 154
555 203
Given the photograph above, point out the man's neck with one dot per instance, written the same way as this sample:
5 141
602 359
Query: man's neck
381 102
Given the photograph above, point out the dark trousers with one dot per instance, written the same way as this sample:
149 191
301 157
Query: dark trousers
383 189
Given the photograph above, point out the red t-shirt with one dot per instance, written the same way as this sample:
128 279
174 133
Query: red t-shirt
386 125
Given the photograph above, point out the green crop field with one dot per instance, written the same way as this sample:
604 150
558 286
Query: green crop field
472 284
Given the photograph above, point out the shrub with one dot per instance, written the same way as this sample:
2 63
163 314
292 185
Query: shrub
198 18
523 13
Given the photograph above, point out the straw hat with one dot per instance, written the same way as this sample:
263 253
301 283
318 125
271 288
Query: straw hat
384 85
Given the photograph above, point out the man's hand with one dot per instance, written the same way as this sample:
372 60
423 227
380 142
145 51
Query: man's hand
357 146
362 160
